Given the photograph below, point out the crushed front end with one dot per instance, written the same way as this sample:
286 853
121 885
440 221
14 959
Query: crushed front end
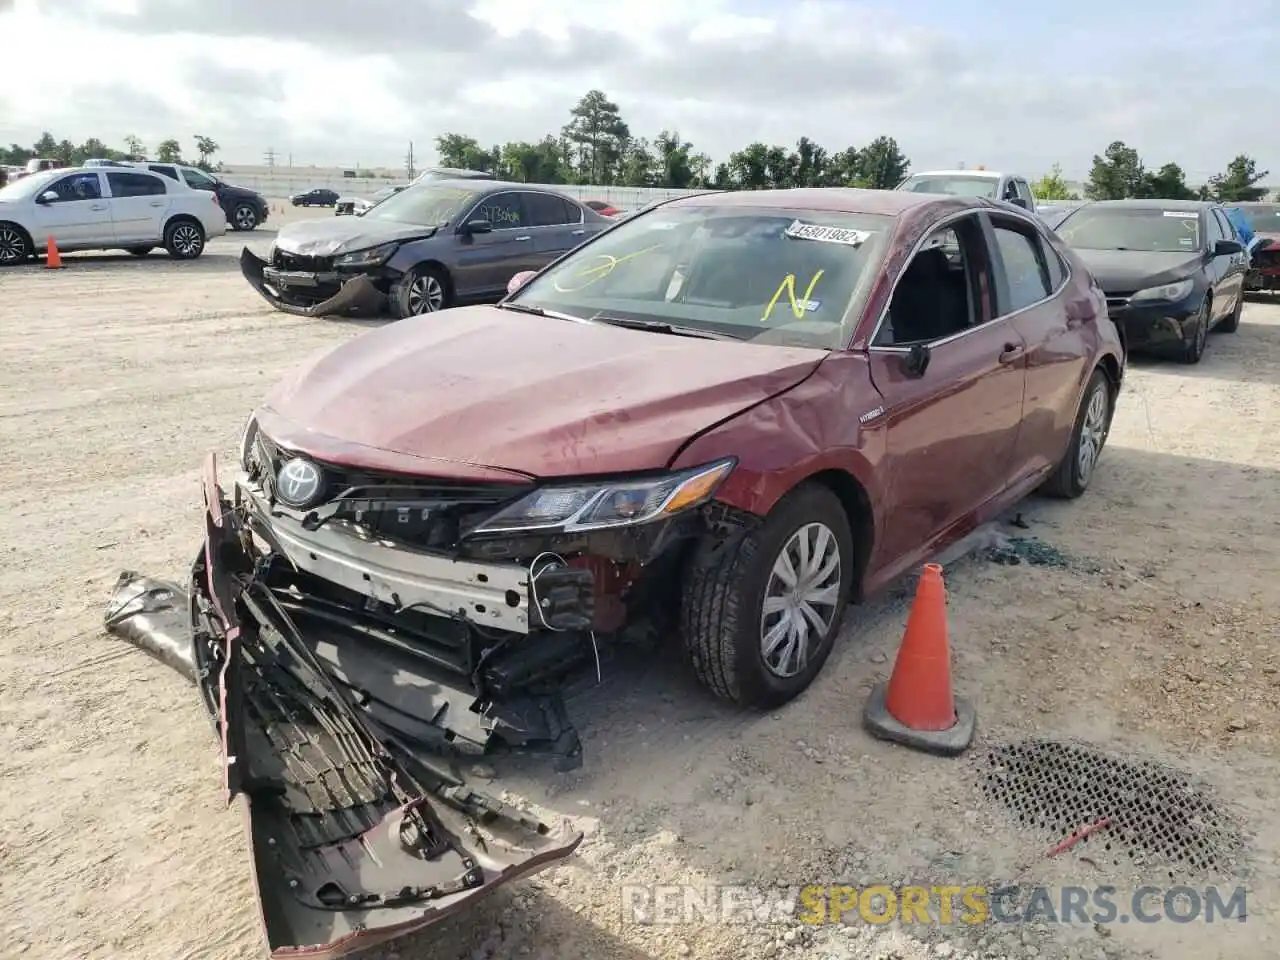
320 286
455 613
1264 267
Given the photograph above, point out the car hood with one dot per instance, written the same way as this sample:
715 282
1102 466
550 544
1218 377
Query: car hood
1267 237
331 236
1125 271
523 394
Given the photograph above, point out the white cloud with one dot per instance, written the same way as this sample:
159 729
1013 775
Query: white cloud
336 81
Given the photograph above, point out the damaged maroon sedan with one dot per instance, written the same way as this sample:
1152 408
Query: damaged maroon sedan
724 420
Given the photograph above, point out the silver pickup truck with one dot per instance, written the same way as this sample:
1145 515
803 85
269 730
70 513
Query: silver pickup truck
1009 187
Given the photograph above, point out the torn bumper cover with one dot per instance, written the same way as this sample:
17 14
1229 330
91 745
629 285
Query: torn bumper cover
303 292
357 834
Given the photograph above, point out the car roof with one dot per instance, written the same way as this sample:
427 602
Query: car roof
975 174
1154 204
887 203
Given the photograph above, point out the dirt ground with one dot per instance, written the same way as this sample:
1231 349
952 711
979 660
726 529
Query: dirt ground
1157 636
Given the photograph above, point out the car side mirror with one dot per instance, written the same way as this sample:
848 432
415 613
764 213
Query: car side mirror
519 280
477 226
49 196
916 362
1227 248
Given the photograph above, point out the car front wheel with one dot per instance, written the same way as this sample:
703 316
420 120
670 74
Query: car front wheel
1093 423
1193 348
421 290
759 618
15 247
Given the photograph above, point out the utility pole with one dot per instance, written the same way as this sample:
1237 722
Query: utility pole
408 161
270 158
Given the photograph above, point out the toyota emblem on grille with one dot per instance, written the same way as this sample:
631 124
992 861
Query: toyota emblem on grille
298 482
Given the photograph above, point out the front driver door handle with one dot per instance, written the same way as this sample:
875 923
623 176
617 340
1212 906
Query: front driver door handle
1010 353
97 206
578 233
522 239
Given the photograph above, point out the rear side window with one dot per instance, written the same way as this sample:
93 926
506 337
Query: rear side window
135 185
1053 262
170 172
1024 266
547 210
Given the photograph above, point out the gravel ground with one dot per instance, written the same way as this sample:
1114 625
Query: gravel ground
1141 618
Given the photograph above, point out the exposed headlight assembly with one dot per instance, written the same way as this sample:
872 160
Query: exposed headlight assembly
619 503
1166 291
371 257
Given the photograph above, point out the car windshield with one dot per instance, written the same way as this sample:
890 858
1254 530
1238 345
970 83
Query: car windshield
426 204
956 186
763 275
1263 217
1152 229
29 185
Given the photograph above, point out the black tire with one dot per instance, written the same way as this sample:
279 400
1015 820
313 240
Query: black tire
184 238
244 217
15 245
1193 349
1071 478
722 603
1232 323
140 251
424 289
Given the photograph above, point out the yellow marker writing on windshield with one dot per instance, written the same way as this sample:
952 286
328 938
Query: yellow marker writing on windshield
788 286
589 275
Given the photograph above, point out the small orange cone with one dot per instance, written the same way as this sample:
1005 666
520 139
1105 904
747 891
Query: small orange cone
917 708
53 260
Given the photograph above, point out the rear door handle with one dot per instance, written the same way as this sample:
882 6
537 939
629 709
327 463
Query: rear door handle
522 239
578 233
97 206
1010 353
157 203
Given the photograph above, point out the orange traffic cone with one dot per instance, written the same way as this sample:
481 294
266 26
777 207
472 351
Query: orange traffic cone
53 259
917 707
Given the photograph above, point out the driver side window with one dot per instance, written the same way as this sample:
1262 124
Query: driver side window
78 186
942 290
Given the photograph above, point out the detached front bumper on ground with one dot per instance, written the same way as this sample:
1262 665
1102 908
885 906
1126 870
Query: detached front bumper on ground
357 833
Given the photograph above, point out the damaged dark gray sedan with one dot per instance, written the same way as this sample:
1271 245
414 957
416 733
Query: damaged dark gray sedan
433 245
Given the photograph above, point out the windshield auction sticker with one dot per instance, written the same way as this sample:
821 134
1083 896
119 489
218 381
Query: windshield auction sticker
799 230
1186 214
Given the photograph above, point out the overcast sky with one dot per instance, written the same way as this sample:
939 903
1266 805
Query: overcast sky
1003 83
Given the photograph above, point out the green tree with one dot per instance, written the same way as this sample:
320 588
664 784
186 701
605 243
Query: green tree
1238 183
674 160
1117 174
456 150
206 147
1053 186
881 165
169 151
134 148
1169 183
638 167
599 135
532 162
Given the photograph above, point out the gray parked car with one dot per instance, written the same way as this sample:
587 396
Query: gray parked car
431 246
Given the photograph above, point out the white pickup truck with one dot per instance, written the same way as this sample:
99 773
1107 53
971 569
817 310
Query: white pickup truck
1009 187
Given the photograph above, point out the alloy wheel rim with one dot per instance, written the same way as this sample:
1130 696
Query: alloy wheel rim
245 218
426 295
187 240
1093 433
800 600
12 246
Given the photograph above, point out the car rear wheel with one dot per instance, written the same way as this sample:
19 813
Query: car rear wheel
1232 323
759 618
15 245
1093 423
140 251
244 217
184 239
421 290
1193 348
